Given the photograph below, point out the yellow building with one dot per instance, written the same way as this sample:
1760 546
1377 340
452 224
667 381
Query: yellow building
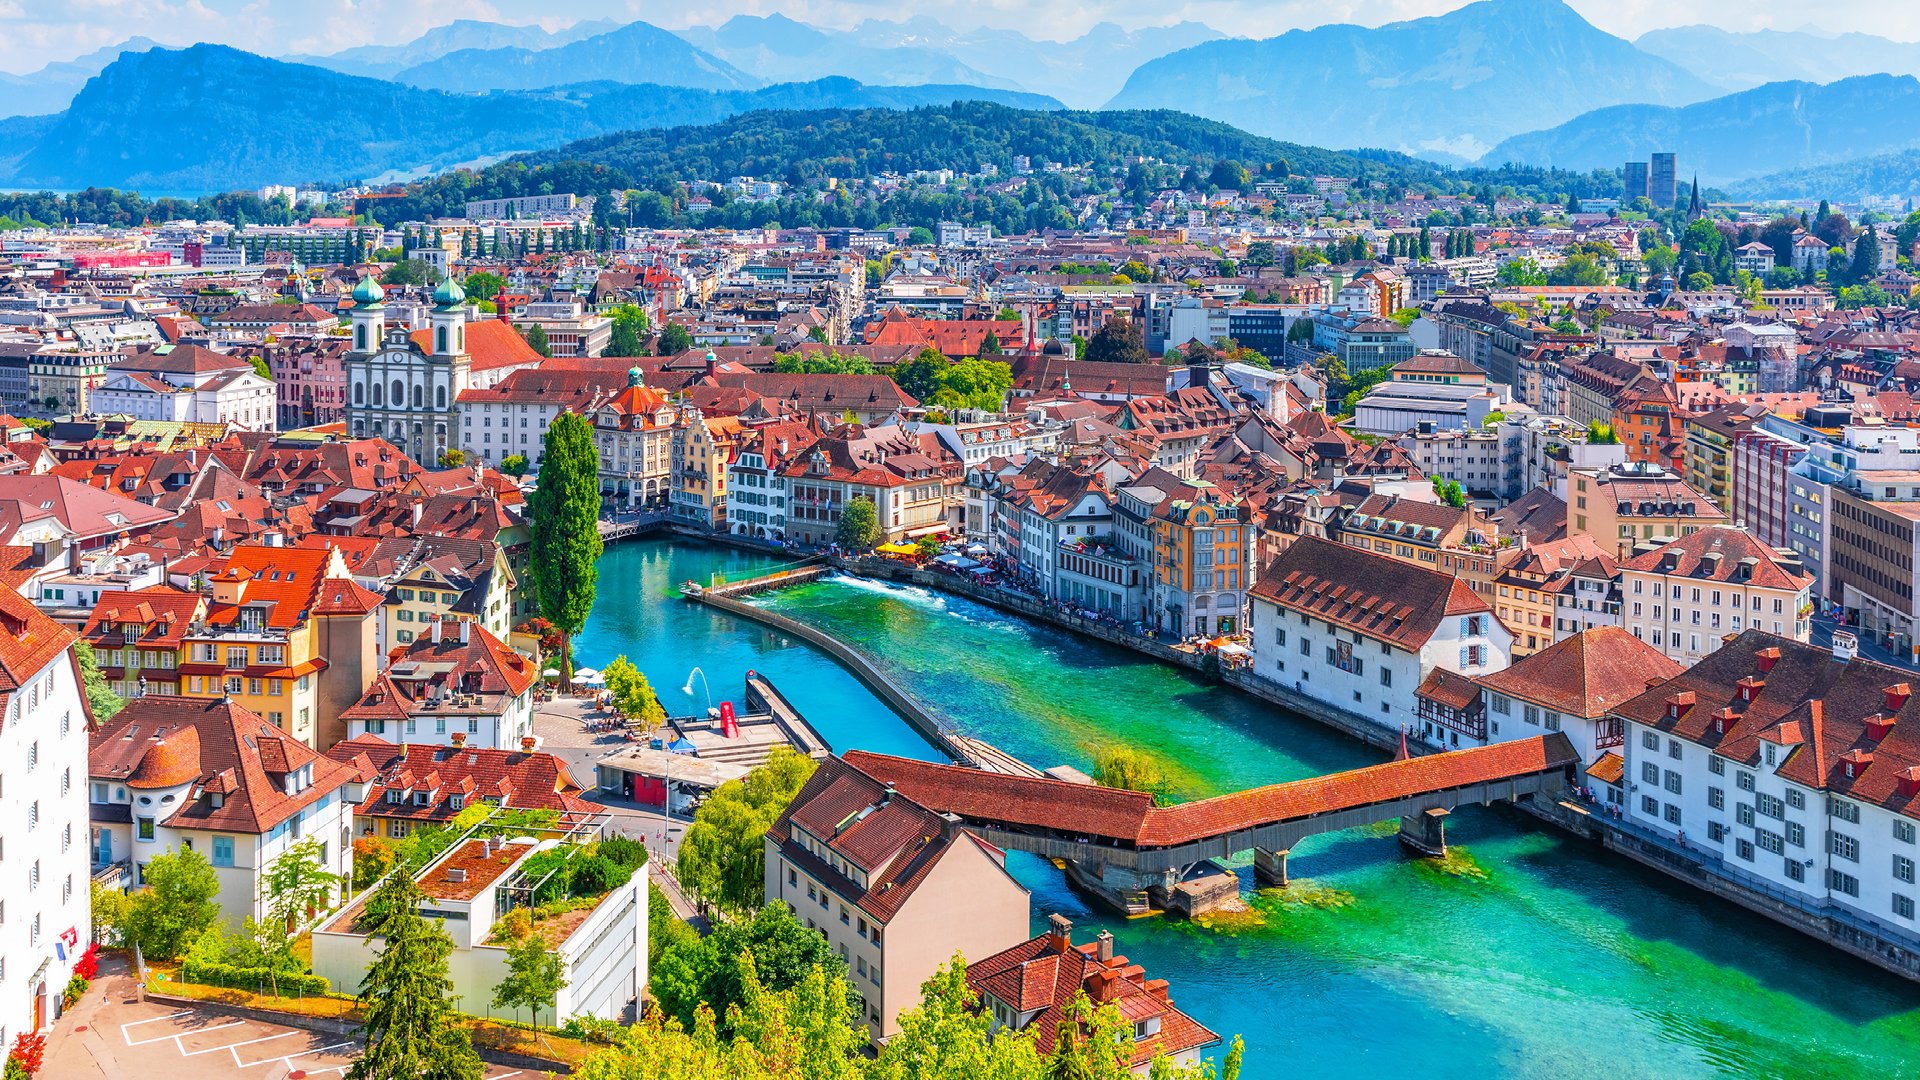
702 450
279 622
1202 559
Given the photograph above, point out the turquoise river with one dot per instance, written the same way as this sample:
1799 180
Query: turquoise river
1528 954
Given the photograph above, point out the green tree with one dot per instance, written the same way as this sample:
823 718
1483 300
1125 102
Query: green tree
859 527
176 907
919 236
947 1037
990 345
1783 277
100 696
1521 272
514 464
1601 434
1698 281
482 285
665 930
674 340
535 976
1866 256
536 336
632 694
923 376
1117 341
771 949
260 368
451 458
297 884
109 911
1131 769
722 857
975 384
565 514
409 1025
410 272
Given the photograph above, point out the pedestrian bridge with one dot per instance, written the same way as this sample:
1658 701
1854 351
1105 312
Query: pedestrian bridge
1104 830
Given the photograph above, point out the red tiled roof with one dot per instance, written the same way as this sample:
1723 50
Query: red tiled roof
1687 557
1370 594
491 343
1585 675
1131 817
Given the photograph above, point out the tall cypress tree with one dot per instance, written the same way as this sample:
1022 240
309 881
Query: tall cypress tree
565 512
410 1027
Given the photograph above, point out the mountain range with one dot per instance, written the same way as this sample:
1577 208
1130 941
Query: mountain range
1449 86
51 88
636 52
778 48
1740 61
1773 128
148 121
386 61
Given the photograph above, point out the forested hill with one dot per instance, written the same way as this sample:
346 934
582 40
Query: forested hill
805 149
964 136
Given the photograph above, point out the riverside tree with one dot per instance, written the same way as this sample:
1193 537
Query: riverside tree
723 857
859 525
632 694
565 511
410 1027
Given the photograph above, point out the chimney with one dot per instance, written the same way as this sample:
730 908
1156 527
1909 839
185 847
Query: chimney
1106 946
466 631
886 795
456 875
459 739
1060 930
419 509
436 631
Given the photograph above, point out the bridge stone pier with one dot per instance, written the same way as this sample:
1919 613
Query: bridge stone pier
1135 856
1426 831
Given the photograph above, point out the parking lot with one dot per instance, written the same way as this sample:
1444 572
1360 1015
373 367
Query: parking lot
111 1035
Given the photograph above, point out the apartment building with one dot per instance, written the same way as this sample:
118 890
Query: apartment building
912 480
1687 596
1628 504
454 682
1789 769
1873 547
895 888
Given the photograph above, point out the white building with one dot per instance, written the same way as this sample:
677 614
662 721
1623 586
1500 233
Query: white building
1786 768
451 686
187 384
43 817
169 774
1686 596
1360 631
1436 388
471 886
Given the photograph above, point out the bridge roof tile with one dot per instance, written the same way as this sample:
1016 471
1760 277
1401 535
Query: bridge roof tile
1128 817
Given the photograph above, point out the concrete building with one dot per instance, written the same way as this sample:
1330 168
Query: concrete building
480 879
1433 388
1627 504
895 888
1873 546
1663 180
571 330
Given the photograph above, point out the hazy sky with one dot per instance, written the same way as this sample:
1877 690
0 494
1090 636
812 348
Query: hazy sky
34 32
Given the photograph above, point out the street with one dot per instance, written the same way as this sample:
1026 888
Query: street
1822 635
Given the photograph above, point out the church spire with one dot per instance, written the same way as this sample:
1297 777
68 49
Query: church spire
1693 207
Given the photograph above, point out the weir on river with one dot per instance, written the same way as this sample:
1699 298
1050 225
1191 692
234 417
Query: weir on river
1525 953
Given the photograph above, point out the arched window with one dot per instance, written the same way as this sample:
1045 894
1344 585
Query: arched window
442 338
440 397
359 393
376 394
360 338
399 394
416 396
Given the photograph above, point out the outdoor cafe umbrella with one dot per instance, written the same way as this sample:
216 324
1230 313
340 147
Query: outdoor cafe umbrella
587 675
551 673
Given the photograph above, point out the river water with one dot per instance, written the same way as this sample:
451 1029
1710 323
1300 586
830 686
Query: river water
1526 954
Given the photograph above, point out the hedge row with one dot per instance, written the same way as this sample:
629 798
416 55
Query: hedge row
229 975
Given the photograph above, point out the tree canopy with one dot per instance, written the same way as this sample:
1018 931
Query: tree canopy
722 857
859 527
565 514
1118 341
408 1020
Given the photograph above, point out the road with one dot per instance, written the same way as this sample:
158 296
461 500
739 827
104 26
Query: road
1822 635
